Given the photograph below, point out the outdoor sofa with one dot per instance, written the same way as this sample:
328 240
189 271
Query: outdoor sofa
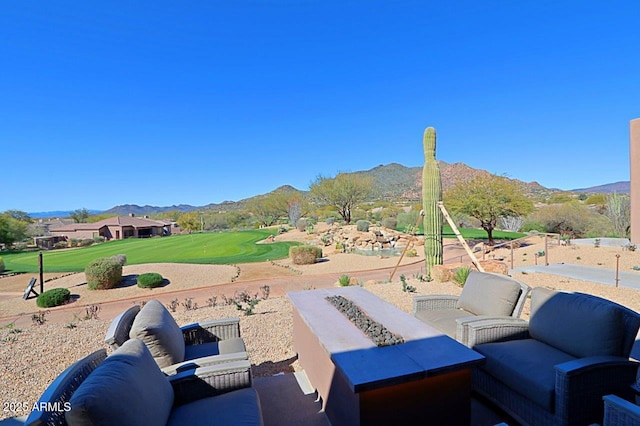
556 368
128 387
178 348
484 296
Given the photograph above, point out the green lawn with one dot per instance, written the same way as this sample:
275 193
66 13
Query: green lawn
210 248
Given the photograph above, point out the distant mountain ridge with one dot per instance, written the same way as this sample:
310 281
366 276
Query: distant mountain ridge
391 182
622 187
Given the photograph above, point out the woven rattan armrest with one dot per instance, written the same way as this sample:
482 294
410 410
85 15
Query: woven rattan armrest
211 380
462 325
434 302
619 411
211 331
487 331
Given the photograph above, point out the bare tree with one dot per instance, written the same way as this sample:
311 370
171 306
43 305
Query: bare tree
617 209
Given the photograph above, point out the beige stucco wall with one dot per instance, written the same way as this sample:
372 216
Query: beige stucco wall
634 156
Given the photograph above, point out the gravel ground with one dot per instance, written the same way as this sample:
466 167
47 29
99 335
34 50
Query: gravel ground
31 357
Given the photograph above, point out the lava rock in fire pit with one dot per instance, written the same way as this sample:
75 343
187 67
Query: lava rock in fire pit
377 332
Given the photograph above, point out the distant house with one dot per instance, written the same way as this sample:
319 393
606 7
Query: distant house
115 228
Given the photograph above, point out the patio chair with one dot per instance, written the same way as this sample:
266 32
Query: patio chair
127 387
178 348
620 412
484 296
556 368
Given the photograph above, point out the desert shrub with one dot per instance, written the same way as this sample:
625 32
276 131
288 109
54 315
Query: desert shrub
98 239
74 242
60 245
121 259
103 273
344 280
362 225
53 297
86 242
461 275
1 264
571 218
390 222
304 255
411 252
330 220
150 280
301 224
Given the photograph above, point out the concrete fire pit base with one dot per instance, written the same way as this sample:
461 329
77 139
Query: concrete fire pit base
426 380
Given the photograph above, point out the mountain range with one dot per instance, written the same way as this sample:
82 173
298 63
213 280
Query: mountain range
392 182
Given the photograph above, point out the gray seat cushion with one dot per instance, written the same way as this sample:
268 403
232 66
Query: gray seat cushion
526 366
444 320
579 325
127 388
241 407
155 326
486 293
222 347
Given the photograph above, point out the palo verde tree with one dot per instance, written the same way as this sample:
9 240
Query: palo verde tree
344 192
80 215
12 229
488 198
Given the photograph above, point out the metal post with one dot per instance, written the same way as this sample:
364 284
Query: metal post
617 269
41 272
535 257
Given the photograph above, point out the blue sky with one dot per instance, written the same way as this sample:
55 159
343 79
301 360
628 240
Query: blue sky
199 102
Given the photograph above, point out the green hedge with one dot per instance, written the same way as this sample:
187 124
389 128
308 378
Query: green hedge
103 273
150 280
53 297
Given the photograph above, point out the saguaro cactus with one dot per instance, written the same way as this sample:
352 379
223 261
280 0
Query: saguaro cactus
431 196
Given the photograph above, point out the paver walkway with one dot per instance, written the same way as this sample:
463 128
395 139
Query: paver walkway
585 273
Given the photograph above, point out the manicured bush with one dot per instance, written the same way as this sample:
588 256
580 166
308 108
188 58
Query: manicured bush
362 225
150 280
103 273
60 245
304 255
121 259
390 222
53 297
1 265
301 224
86 242
98 239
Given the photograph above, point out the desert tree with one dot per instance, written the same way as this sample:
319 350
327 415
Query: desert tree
190 221
572 219
267 209
80 215
11 229
343 192
617 208
488 199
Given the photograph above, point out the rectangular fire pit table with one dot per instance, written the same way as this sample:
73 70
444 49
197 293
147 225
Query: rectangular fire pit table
426 380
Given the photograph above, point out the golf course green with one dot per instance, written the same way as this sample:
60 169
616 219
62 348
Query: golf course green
203 248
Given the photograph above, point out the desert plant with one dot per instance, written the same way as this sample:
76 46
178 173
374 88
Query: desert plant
150 280
189 305
344 280
103 273
173 305
304 255
39 318
390 222
121 258
212 301
91 312
362 225
53 297
461 275
406 287
86 242
596 243
301 224
411 253
246 302
60 245
431 196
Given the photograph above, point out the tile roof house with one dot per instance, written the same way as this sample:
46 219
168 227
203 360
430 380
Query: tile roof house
115 228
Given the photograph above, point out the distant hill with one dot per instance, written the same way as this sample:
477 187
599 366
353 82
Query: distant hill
57 213
621 187
392 182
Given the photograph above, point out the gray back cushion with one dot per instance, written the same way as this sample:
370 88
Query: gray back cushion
155 326
127 388
579 325
486 293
